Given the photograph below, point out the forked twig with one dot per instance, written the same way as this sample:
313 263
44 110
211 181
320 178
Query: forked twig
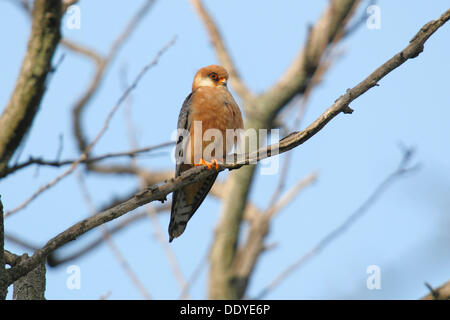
403 169
83 157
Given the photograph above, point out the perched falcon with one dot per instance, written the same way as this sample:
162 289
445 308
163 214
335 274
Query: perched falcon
211 105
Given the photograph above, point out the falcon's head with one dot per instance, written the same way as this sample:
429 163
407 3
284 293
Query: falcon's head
210 76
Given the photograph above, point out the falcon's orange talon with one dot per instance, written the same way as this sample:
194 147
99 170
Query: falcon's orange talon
208 164
217 163
202 163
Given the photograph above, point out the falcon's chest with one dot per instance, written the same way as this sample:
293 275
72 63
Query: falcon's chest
215 108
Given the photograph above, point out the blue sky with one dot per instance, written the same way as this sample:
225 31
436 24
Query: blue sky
405 233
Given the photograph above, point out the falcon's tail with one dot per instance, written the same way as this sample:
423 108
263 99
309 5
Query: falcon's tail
184 204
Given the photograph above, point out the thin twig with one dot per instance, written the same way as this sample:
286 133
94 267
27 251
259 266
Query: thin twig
80 49
359 21
57 163
286 198
222 52
201 265
249 253
441 293
112 245
101 66
18 114
326 60
128 116
100 133
159 193
151 212
171 258
323 66
54 258
401 171
20 242
261 113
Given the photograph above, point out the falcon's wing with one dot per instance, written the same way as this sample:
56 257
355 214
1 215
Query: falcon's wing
184 123
186 201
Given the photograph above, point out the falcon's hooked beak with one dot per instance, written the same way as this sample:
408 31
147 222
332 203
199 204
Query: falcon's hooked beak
223 81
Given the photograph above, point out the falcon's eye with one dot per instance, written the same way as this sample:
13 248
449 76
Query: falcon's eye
214 76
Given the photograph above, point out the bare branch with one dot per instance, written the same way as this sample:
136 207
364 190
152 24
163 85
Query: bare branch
25 5
261 113
323 66
11 258
401 171
100 133
414 48
290 195
85 51
159 193
195 274
20 242
441 293
19 113
248 254
327 31
54 259
171 258
32 285
57 163
130 126
101 66
360 21
110 242
222 52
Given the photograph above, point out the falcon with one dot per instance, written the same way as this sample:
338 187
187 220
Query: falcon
210 107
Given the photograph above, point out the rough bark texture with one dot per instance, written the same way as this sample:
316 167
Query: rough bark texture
30 86
32 285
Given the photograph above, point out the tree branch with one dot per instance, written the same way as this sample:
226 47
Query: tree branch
11 258
222 52
171 258
57 163
248 254
54 259
403 169
30 86
32 285
441 293
101 66
106 235
83 157
159 193
328 29
261 113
